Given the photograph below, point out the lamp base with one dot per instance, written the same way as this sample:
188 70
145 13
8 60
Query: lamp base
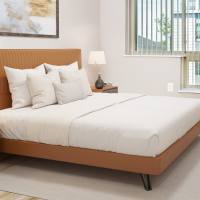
99 84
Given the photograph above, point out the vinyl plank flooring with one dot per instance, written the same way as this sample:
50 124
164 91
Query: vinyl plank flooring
12 196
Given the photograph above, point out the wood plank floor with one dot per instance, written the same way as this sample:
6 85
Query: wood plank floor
11 196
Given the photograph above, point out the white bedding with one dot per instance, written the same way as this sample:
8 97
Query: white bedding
124 123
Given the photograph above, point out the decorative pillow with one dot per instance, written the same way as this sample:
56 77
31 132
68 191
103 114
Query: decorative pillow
69 91
65 76
18 85
42 90
71 67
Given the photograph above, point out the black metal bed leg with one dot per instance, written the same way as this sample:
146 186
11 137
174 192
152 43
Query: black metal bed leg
146 181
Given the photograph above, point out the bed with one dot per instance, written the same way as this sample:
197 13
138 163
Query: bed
128 132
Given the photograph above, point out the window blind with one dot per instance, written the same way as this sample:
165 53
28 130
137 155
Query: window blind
166 27
191 65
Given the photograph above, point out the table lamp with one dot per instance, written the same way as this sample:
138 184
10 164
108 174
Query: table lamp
97 58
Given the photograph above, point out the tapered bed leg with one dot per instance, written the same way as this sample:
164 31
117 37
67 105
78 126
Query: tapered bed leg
146 181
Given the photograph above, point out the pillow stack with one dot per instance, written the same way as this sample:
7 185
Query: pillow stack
74 83
61 84
18 85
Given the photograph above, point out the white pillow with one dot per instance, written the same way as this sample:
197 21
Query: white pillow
42 90
65 76
69 91
71 67
18 86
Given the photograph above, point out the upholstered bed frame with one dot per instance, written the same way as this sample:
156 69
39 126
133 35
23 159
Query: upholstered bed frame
145 166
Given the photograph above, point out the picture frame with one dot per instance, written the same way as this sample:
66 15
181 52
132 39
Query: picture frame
55 25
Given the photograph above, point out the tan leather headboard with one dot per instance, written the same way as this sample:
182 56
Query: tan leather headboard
30 58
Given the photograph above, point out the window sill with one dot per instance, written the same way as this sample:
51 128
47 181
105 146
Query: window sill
156 56
190 90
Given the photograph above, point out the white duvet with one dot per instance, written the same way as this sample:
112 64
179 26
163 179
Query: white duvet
124 123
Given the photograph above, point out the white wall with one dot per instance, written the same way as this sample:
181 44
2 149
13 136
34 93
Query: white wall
79 28
133 74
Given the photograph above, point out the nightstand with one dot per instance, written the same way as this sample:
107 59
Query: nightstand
106 89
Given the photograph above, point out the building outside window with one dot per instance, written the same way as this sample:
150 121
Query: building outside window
192 4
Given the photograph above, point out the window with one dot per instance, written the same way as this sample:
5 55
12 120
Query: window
166 27
192 5
197 34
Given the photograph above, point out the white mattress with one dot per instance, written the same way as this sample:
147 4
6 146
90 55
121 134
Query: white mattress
124 123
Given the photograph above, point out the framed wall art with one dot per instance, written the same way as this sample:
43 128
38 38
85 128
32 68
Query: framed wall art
29 18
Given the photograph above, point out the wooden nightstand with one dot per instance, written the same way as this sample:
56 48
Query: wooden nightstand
106 89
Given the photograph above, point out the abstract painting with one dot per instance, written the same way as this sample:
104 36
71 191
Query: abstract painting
31 18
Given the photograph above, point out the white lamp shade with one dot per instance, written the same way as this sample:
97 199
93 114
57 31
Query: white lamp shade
97 58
